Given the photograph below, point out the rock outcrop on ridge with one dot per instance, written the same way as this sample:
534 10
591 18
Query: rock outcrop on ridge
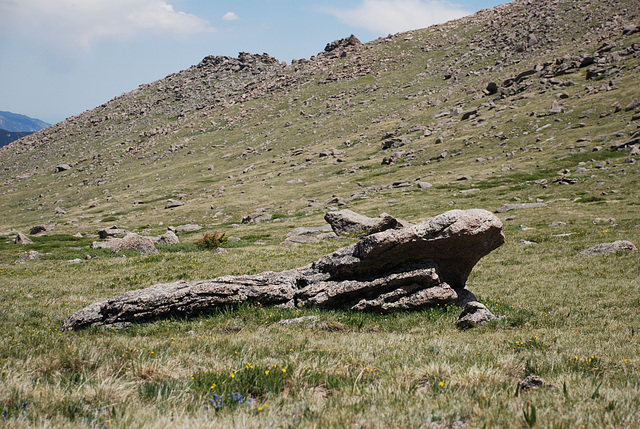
395 270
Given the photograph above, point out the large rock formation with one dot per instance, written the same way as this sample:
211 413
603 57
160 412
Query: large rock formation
394 270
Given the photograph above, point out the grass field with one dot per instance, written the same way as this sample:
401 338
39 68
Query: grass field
570 320
298 152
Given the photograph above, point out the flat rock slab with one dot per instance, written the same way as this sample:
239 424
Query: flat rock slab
605 248
507 207
395 270
185 228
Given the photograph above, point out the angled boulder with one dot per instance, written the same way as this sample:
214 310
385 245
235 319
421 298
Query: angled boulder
22 239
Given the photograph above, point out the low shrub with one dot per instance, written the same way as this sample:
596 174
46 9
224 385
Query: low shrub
212 241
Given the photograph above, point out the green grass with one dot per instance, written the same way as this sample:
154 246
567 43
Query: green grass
340 368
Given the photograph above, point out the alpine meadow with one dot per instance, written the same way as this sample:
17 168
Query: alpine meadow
234 171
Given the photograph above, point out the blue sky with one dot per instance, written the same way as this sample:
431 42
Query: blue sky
61 57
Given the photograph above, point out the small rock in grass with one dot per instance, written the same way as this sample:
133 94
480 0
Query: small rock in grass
532 382
475 314
527 243
32 255
507 207
598 220
298 320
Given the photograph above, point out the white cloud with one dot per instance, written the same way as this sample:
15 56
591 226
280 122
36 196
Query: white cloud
393 16
230 16
74 24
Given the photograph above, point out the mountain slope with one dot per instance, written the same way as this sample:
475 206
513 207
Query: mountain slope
14 122
229 136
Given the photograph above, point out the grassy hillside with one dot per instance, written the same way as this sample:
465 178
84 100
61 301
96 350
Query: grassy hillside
359 130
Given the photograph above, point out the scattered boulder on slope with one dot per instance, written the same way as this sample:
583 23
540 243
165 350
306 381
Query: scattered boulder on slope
256 217
181 229
507 207
395 270
168 237
112 231
131 241
605 248
349 222
172 204
22 239
32 255
305 235
37 229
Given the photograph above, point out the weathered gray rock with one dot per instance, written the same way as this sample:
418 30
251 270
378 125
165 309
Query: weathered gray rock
184 228
309 230
256 218
395 270
300 239
605 248
173 203
599 220
112 231
22 239
349 222
423 185
131 241
305 235
31 256
62 167
506 207
168 237
475 314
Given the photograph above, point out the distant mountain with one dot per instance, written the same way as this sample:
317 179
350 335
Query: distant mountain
14 122
7 137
